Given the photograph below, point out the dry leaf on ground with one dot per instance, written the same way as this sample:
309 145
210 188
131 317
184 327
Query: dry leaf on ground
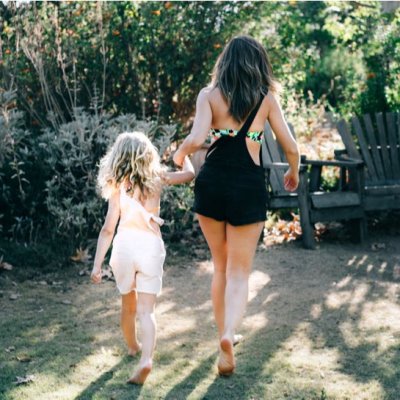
5 265
283 231
81 256
24 358
378 246
20 380
107 274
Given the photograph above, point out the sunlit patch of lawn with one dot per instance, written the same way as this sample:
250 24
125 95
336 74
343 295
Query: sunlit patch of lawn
319 325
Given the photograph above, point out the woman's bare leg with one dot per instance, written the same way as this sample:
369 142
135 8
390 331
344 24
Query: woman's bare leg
215 233
128 322
241 246
145 312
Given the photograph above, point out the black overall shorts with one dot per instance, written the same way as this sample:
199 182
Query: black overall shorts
230 186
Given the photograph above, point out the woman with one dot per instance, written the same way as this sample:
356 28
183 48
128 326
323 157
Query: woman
230 192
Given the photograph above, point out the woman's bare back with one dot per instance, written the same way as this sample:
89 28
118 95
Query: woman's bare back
221 119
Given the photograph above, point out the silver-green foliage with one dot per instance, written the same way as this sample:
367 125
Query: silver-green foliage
18 197
72 156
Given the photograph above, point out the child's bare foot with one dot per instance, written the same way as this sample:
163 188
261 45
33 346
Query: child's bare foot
141 374
132 351
237 338
226 363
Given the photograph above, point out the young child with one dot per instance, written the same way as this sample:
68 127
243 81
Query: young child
131 178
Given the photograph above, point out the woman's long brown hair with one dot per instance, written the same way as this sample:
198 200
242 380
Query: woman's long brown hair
243 73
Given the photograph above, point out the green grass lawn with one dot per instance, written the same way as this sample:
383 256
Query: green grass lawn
321 324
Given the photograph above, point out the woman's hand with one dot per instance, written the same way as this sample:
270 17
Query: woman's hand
178 158
95 276
291 180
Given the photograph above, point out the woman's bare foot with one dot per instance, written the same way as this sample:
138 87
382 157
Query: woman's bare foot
226 363
134 350
141 374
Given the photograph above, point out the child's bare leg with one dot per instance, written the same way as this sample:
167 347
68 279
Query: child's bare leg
145 312
128 322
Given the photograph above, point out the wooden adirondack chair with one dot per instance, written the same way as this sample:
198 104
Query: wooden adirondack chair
376 141
314 204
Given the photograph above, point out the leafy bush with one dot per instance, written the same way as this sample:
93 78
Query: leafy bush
176 203
22 175
48 179
146 58
72 155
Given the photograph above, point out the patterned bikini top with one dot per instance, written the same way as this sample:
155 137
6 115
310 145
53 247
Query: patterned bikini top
256 136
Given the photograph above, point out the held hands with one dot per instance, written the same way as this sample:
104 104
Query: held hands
95 276
178 159
291 180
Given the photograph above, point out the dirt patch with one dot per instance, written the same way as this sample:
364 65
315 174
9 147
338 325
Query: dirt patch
320 324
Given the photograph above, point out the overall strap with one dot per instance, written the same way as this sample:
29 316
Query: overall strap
245 128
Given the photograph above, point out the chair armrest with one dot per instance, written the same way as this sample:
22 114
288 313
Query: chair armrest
348 163
281 165
276 165
339 152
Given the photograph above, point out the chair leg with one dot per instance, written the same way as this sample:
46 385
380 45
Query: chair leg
304 208
307 230
359 230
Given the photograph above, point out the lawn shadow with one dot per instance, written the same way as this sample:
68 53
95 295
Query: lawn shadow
291 295
184 388
103 380
359 318
288 284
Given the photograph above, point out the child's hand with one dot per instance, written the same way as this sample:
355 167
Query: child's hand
178 159
187 165
95 276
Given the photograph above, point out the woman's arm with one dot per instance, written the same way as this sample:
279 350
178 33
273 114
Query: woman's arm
200 129
286 141
177 177
106 235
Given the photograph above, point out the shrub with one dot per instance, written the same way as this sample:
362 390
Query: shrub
72 155
21 174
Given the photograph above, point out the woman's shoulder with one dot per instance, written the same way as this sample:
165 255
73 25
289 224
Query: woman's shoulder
271 97
207 91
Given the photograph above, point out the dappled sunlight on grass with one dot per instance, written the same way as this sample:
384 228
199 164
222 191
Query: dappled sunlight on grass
258 279
353 297
255 321
270 298
164 307
178 327
205 267
310 357
318 326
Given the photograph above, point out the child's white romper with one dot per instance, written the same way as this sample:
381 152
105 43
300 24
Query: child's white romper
138 252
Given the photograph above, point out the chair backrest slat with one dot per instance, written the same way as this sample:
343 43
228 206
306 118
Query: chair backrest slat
375 153
281 152
382 140
347 139
394 142
270 154
371 167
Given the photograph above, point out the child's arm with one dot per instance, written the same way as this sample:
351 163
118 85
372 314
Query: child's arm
177 177
106 235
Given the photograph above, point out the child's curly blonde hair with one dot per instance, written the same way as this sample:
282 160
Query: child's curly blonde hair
132 160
